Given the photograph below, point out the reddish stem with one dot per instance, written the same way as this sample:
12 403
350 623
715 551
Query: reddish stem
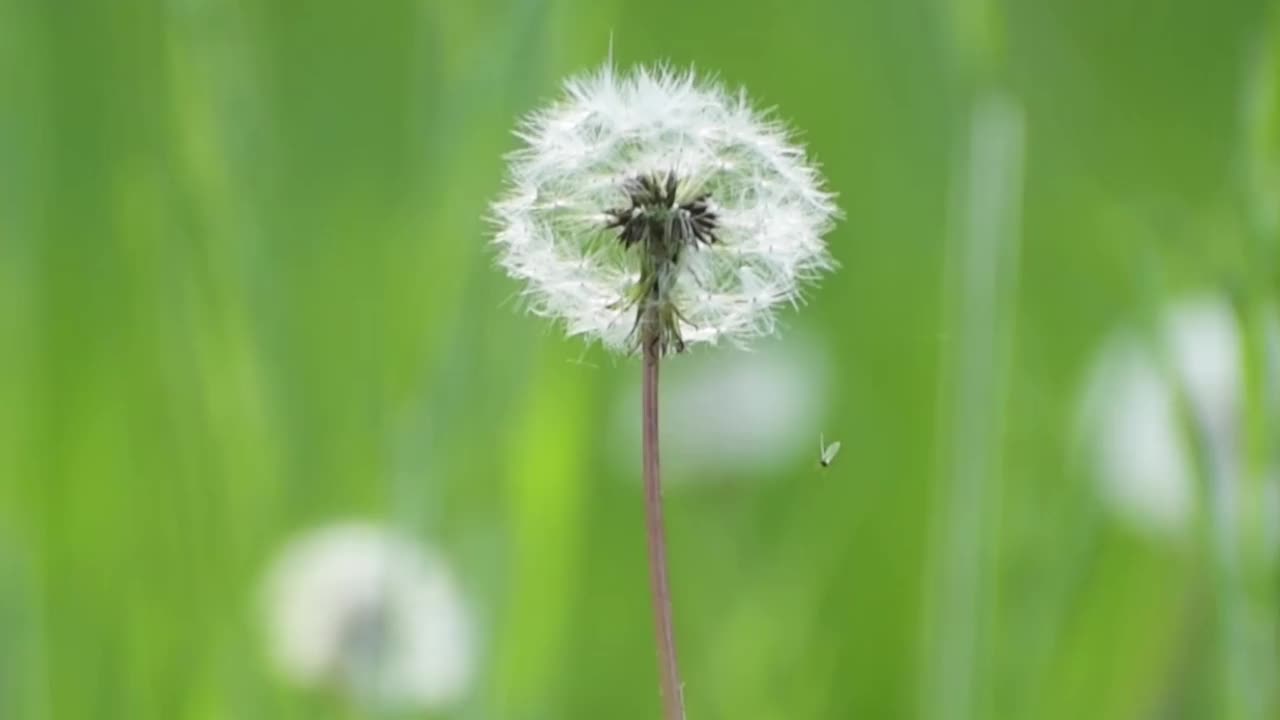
668 671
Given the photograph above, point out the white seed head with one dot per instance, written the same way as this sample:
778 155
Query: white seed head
367 611
735 182
1153 402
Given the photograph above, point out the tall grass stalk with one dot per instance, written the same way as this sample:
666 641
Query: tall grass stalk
981 277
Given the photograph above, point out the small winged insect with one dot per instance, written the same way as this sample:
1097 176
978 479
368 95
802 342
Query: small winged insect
827 453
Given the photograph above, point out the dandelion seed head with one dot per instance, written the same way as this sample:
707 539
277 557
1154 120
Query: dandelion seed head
366 611
621 154
1153 401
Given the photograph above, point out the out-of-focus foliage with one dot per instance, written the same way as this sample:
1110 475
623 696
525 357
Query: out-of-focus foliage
245 291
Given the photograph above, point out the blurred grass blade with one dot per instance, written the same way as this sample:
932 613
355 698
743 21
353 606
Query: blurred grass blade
981 280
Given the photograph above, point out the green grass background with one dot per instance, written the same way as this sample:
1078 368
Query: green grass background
245 290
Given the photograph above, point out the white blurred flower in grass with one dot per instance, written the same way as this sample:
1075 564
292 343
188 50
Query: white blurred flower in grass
366 611
1132 416
733 415
653 156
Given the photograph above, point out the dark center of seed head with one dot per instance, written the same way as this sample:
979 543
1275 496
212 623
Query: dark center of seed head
663 225
656 217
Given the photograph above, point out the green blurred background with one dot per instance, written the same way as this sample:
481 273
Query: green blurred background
245 290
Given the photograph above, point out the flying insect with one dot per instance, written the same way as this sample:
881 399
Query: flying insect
827 453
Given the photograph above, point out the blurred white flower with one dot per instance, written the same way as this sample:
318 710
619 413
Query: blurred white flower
1131 421
733 414
366 611
1131 427
626 159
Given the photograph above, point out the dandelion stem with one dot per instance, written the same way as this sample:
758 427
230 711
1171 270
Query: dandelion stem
664 633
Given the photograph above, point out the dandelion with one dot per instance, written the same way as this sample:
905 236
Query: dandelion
1145 401
367 612
655 195
652 211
